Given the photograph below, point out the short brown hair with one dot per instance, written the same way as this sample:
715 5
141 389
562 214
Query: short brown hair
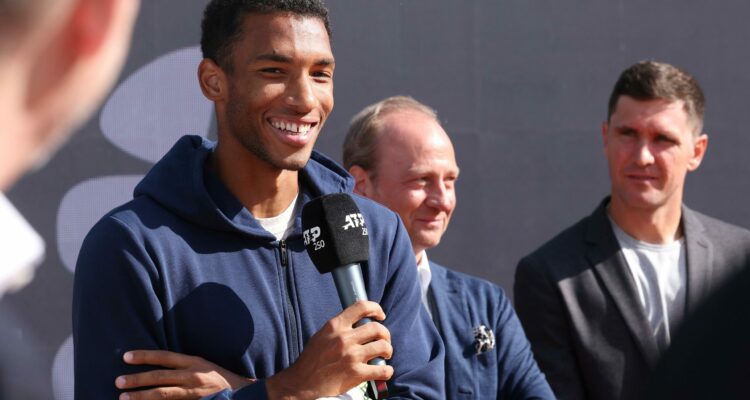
360 144
651 80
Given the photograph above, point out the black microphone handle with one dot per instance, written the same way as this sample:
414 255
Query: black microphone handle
351 288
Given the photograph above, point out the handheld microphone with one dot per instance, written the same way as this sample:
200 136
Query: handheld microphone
336 239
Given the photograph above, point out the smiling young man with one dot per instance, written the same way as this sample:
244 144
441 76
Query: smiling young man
208 260
601 301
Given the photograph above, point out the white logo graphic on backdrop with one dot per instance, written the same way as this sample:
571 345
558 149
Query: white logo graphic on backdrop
144 117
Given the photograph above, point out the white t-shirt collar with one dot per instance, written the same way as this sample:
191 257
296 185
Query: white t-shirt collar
281 225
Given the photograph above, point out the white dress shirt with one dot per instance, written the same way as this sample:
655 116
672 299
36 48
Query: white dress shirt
425 276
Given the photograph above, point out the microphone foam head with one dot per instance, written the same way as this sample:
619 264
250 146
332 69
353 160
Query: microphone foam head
334 232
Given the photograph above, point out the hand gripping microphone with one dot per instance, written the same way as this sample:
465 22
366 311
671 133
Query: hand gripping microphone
336 239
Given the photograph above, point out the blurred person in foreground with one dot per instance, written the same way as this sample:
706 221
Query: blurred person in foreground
601 301
401 157
58 58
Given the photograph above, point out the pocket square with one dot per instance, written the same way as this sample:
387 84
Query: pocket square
484 339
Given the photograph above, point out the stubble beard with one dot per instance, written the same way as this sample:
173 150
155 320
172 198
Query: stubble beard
252 142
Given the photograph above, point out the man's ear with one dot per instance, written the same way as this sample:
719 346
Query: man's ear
362 183
700 144
69 56
212 80
93 35
77 56
88 25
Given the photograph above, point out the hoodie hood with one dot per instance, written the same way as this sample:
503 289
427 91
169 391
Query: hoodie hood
180 183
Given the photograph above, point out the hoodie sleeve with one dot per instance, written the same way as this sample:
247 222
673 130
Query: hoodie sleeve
115 308
418 354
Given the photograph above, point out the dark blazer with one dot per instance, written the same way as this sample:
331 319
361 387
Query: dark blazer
580 309
461 303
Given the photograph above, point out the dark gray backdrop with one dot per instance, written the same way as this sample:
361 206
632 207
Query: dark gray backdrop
521 86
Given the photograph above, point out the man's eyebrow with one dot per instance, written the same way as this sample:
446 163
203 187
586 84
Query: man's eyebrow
273 57
280 58
325 62
624 128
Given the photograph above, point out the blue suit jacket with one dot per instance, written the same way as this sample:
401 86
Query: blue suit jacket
462 303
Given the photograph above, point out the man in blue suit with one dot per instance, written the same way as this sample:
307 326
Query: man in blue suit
400 156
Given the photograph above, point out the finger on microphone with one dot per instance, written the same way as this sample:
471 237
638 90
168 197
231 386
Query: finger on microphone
362 309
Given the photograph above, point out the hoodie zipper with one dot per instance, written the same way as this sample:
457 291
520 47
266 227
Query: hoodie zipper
291 312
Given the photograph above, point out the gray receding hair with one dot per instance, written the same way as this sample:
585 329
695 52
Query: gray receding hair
360 144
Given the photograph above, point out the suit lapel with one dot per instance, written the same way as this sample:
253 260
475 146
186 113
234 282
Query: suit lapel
449 301
604 254
456 329
698 264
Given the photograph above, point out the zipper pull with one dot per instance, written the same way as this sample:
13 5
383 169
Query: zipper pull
282 245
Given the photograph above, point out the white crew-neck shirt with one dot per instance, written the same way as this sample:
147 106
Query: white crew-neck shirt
660 275
281 225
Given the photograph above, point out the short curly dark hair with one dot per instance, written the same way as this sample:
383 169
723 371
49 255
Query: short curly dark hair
222 22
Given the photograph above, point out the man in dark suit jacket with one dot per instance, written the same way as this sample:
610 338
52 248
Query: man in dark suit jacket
400 155
601 301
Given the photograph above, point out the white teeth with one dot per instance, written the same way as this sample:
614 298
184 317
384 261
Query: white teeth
291 126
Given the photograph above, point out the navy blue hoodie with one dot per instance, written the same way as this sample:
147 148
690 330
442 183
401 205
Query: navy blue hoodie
185 267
